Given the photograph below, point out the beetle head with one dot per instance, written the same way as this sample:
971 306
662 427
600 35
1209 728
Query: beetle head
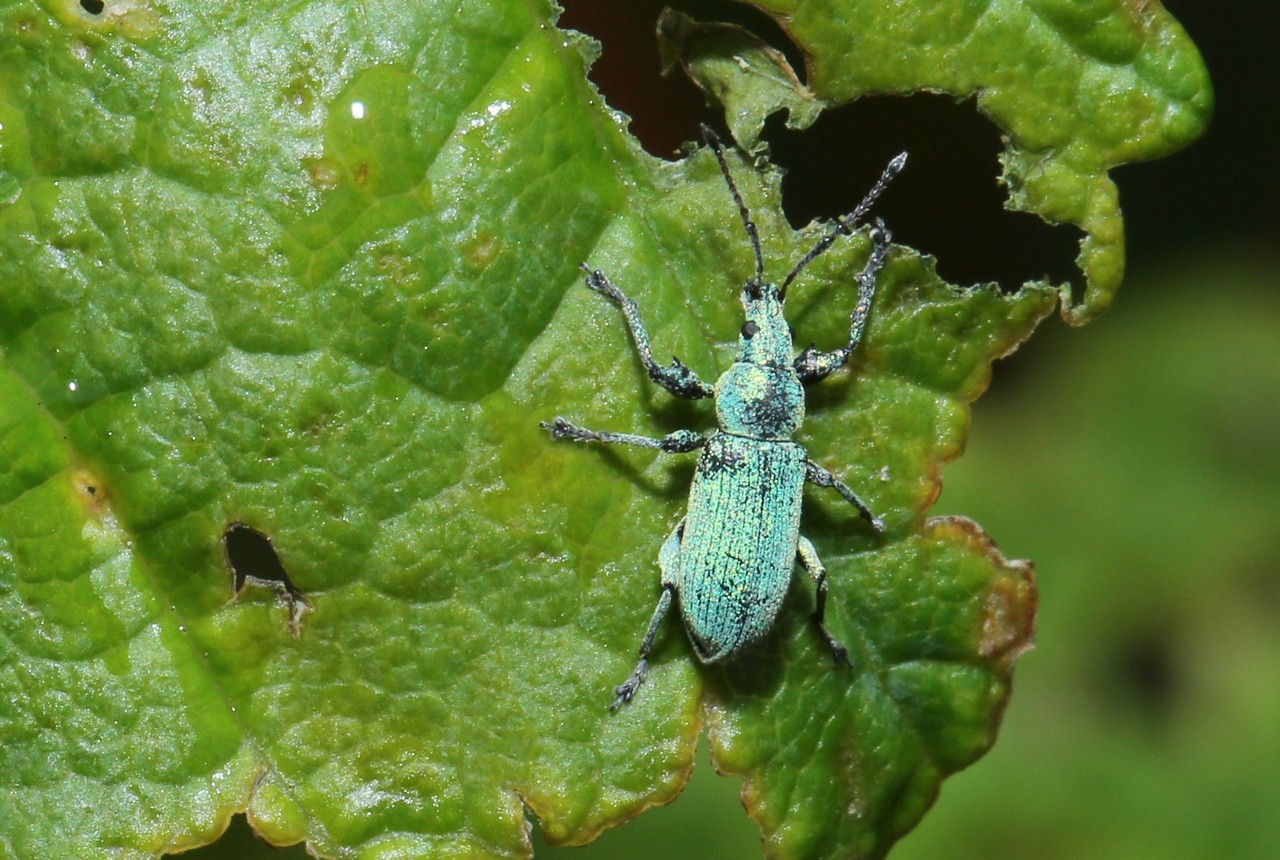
765 337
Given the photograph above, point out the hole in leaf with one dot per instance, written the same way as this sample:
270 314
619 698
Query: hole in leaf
251 556
93 7
664 110
253 562
947 202
241 840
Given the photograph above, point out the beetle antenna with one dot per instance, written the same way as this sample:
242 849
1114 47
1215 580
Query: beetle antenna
844 224
714 142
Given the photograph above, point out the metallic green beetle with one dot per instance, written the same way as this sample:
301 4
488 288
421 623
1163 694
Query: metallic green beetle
729 561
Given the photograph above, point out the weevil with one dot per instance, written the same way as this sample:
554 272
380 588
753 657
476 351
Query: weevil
729 561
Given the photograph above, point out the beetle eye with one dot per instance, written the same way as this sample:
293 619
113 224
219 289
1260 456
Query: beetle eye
752 290
749 329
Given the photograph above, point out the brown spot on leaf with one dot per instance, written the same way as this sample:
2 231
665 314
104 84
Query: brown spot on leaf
1140 11
90 490
1008 627
324 173
1009 610
481 250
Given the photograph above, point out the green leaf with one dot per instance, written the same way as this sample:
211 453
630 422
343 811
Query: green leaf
312 269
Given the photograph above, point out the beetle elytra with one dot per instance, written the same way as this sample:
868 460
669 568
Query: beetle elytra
729 561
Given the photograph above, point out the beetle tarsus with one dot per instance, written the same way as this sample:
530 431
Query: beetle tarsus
839 653
627 689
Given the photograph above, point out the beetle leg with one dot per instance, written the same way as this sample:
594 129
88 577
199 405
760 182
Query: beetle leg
675 377
810 562
813 364
815 474
679 442
669 562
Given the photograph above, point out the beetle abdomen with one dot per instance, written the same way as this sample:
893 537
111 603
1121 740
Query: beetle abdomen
739 544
